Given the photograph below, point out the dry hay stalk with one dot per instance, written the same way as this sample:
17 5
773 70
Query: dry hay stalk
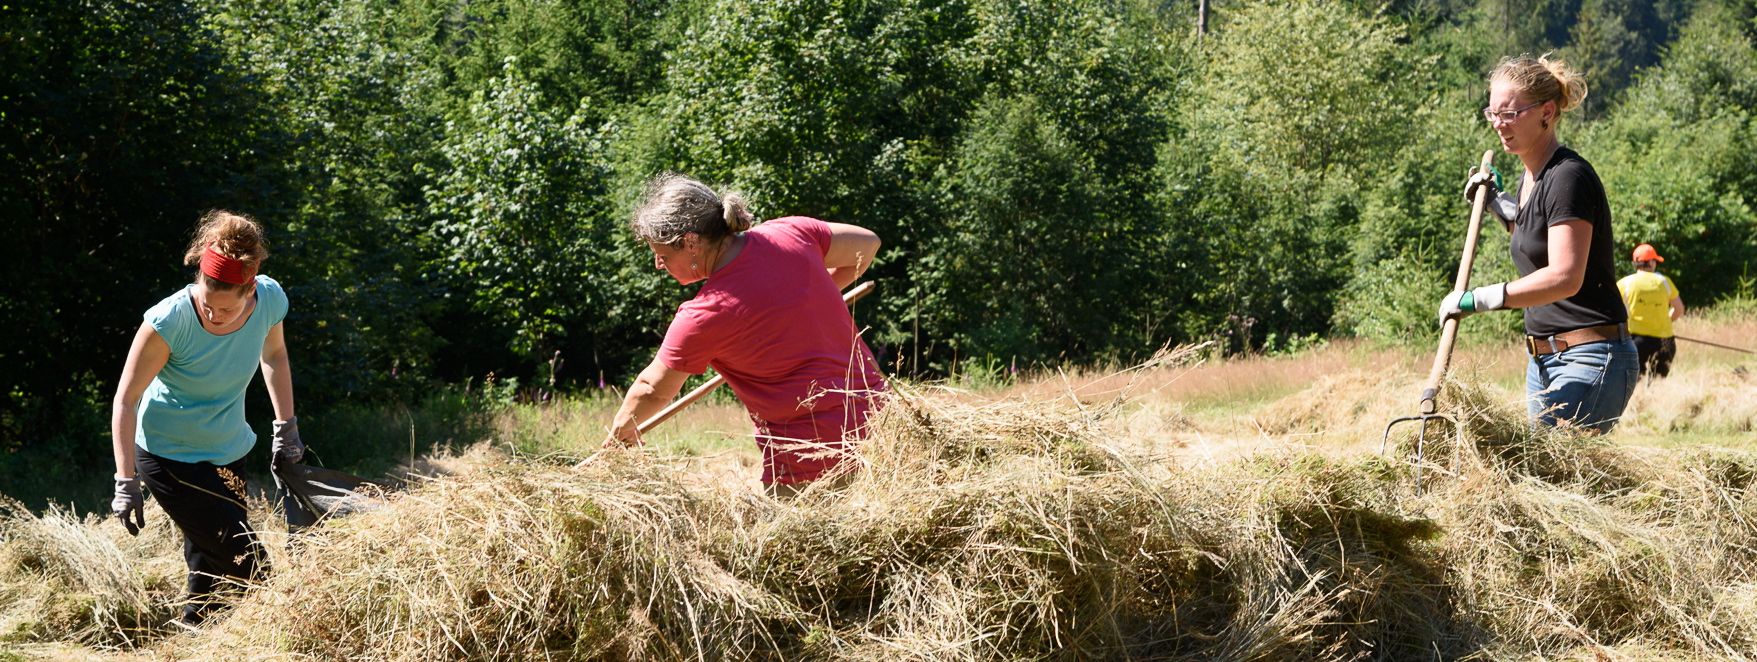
976 530
1014 530
1562 541
67 578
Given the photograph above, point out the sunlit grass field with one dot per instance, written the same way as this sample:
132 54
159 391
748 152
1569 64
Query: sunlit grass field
1327 397
1197 507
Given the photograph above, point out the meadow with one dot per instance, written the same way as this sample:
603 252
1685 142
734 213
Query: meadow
1188 508
1270 189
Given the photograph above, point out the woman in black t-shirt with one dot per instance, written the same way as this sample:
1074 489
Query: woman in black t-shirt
1583 365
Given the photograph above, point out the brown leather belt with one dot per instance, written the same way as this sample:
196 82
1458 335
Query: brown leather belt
1540 346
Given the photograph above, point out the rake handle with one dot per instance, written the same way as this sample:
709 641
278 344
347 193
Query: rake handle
1715 344
702 391
1430 391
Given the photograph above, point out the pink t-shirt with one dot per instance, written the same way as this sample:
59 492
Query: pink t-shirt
773 324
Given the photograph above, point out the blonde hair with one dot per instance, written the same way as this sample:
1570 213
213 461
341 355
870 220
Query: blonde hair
675 205
234 235
1543 79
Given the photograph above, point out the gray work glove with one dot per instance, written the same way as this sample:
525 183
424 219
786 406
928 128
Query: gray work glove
285 444
129 504
1502 205
1490 178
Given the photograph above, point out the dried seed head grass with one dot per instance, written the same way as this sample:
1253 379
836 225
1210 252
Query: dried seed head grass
1350 403
1713 398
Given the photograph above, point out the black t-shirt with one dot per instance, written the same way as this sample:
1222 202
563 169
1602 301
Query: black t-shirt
1569 189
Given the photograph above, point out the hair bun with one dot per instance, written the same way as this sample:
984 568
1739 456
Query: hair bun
1542 79
233 234
737 216
676 205
1570 85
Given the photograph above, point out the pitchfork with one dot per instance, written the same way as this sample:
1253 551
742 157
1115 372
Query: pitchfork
1430 391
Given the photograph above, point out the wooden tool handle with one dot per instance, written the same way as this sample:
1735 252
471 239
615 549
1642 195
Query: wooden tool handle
1715 344
688 399
1430 391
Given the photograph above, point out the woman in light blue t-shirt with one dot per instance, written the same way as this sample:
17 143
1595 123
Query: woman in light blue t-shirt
178 421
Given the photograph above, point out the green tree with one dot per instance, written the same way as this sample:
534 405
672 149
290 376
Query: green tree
1023 267
1610 40
356 113
119 124
853 111
513 213
1676 156
1294 109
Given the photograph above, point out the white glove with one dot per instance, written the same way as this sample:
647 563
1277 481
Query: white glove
1461 303
1504 207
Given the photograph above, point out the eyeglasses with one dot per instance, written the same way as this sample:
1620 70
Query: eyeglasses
1506 116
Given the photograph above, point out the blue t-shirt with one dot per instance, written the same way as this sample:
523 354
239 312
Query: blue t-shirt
194 409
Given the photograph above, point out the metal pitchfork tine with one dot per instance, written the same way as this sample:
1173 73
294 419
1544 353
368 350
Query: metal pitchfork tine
1430 391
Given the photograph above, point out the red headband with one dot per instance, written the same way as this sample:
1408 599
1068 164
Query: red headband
229 270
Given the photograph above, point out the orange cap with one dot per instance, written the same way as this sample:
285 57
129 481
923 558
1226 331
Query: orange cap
1645 253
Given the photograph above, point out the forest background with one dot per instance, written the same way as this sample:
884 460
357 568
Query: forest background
446 183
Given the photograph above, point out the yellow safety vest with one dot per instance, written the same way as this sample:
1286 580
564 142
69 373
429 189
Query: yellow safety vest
1648 296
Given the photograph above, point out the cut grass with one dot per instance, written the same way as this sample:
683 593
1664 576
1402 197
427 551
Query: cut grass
1015 528
1096 516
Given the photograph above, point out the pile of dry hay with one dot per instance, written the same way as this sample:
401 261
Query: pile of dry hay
1011 530
67 578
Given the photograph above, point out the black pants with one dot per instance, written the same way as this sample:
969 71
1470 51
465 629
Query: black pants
208 504
1656 355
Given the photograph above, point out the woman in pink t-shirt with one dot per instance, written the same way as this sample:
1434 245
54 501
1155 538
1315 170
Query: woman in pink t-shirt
769 319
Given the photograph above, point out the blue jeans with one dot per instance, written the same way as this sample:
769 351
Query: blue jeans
1587 386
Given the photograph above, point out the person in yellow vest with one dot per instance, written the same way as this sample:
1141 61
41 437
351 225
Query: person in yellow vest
1653 304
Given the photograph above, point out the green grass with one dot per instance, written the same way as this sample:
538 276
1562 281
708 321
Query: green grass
575 426
373 440
697 443
1238 403
71 467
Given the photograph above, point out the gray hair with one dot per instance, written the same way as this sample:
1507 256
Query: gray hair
675 205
